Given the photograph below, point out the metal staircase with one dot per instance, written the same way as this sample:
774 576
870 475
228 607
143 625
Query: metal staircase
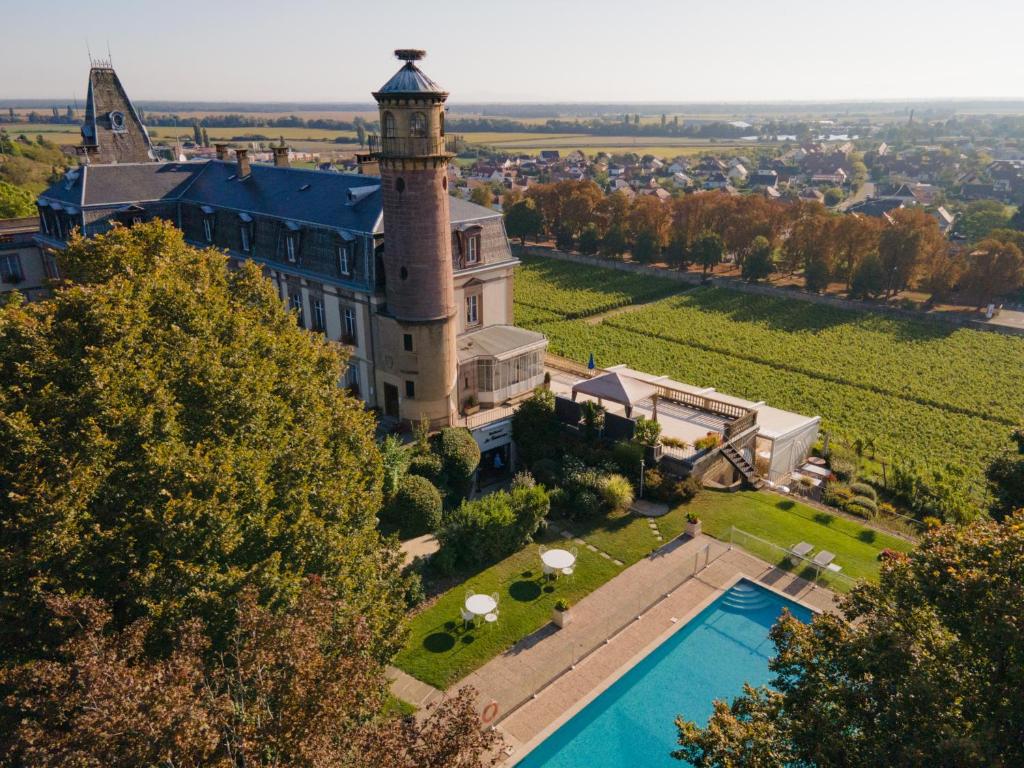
744 467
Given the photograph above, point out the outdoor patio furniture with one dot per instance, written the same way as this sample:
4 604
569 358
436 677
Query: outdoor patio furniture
823 558
467 617
568 571
491 618
481 605
555 560
801 550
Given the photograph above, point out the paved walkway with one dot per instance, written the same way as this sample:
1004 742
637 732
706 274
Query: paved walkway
409 689
421 546
647 601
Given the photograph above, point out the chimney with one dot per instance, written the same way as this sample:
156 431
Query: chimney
242 156
222 151
369 164
280 156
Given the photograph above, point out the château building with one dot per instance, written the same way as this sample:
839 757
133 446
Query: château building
417 284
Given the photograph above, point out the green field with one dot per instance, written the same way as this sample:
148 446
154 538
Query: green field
921 390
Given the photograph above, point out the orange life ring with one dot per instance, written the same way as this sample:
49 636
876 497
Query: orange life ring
490 712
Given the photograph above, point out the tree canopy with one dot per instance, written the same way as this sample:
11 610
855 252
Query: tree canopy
925 668
169 437
15 202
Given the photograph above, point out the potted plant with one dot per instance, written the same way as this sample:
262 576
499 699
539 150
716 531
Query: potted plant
560 615
692 524
471 406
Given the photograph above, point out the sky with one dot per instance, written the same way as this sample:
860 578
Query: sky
527 50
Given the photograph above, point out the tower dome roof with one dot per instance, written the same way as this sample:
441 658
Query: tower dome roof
410 79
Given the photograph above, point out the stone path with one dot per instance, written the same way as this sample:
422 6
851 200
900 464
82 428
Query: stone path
409 689
567 534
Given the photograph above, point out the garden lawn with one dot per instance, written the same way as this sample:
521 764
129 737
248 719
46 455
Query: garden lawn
625 536
439 651
785 522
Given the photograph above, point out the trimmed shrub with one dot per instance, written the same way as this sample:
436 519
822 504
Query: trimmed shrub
535 428
862 506
687 489
426 465
416 506
616 492
627 458
843 468
863 489
836 494
460 456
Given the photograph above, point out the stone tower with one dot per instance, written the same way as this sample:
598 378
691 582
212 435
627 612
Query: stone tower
418 329
112 131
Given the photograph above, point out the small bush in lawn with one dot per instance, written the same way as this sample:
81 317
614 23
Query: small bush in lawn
617 492
416 506
426 465
585 503
863 489
687 489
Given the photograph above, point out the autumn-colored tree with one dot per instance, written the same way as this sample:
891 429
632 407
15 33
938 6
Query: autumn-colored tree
299 687
482 195
854 238
811 239
924 668
904 244
649 222
760 262
707 251
693 215
169 436
993 268
939 271
750 217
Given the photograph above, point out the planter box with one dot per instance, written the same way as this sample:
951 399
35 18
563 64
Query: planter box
561 618
469 410
693 529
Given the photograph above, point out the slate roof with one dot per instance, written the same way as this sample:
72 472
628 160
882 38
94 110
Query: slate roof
410 79
876 207
347 201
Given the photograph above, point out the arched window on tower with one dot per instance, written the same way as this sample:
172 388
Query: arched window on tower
389 125
418 125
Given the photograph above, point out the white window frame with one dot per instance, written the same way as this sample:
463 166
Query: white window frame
295 303
208 229
349 321
289 248
344 264
318 313
473 309
246 243
472 249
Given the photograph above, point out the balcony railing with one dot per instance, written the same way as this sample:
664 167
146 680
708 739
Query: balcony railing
411 146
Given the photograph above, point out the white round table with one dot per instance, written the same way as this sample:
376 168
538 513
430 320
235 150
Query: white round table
558 559
481 605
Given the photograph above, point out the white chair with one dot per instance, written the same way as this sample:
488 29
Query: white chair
494 597
491 618
468 617
568 572
546 569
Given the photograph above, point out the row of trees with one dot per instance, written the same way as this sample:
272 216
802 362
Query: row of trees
872 257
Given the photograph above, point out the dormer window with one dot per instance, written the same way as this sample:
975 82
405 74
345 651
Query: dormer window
472 249
208 214
291 242
418 125
344 264
290 248
117 123
389 125
245 232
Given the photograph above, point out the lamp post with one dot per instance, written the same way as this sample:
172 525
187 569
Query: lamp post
641 478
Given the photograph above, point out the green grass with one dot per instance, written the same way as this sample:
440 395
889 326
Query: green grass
398 706
627 537
785 522
440 652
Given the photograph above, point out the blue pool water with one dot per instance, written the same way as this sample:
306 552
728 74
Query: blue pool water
633 722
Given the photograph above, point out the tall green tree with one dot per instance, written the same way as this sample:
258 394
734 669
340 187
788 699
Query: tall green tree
169 437
15 202
925 668
707 251
761 261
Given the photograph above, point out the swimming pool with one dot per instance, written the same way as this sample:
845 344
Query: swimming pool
633 722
